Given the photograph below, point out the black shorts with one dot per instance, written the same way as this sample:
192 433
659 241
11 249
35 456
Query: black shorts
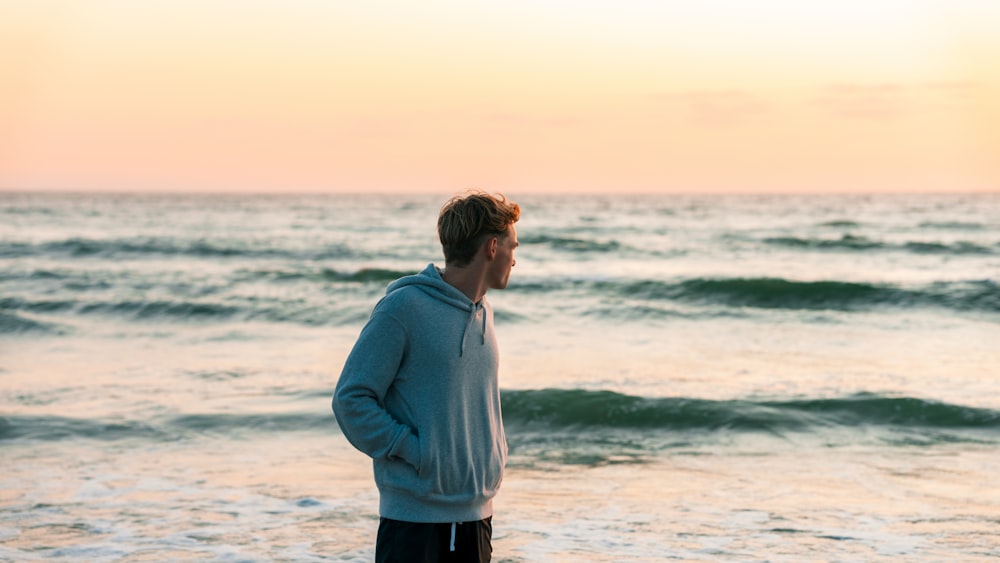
415 542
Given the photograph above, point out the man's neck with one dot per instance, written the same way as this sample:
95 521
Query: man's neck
469 281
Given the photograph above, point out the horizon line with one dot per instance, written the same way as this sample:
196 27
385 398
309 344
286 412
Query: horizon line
8 190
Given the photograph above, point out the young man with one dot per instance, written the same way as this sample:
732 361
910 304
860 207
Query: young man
419 391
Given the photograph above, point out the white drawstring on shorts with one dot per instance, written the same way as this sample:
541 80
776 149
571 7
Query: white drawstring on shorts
451 547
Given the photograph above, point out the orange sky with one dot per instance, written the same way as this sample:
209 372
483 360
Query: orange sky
520 96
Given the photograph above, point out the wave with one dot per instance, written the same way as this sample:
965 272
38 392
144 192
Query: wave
139 247
577 408
779 293
364 275
953 225
860 243
229 423
841 224
144 310
40 275
12 324
571 244
960 247
621 300
584 414
55 428
136 309
848 242
293 311
76 280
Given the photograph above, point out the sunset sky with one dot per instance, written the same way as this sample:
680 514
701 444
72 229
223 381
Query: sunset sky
520 96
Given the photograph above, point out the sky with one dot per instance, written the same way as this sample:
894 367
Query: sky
522 96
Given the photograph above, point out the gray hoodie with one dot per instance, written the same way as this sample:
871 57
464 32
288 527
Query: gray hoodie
419 395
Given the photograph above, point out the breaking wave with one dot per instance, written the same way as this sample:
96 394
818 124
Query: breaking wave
583 413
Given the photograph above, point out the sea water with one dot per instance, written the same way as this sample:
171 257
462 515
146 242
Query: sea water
701 378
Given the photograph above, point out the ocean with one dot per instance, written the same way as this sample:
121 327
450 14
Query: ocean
693 378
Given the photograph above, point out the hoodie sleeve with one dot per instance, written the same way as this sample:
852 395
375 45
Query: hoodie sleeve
359 399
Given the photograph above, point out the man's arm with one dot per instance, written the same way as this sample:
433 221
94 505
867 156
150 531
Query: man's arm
359 399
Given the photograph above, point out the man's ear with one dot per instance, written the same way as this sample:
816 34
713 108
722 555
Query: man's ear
491 248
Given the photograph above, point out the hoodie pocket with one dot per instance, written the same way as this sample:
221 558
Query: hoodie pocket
430 470
460 475
496 464
398 475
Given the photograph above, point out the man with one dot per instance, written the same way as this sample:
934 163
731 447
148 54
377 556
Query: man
419 391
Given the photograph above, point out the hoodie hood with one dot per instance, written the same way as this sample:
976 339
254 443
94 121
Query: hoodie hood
430 282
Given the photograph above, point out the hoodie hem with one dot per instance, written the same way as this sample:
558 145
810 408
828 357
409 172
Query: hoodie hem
398 505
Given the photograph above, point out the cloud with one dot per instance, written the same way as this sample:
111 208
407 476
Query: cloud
953 88
517 120
888 101
864 101
717 108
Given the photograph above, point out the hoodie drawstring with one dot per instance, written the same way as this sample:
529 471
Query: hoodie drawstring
473 310
483 341
451 546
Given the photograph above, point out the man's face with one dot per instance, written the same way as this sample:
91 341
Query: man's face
504 259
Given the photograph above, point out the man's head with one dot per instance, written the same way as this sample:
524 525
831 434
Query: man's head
469 220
